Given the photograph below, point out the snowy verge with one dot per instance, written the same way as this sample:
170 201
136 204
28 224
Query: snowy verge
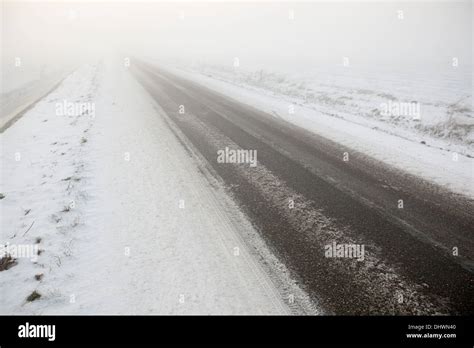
43 188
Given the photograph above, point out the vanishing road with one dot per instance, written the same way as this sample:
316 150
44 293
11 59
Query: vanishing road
307 192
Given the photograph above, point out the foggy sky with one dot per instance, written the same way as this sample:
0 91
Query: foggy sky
259 34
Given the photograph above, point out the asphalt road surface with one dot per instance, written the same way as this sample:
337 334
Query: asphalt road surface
308 193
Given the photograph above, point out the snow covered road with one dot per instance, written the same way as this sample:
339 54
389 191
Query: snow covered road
308 193
116 186
126 220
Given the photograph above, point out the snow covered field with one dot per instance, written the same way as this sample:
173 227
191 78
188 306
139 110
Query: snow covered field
441 98
434 139
118 218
